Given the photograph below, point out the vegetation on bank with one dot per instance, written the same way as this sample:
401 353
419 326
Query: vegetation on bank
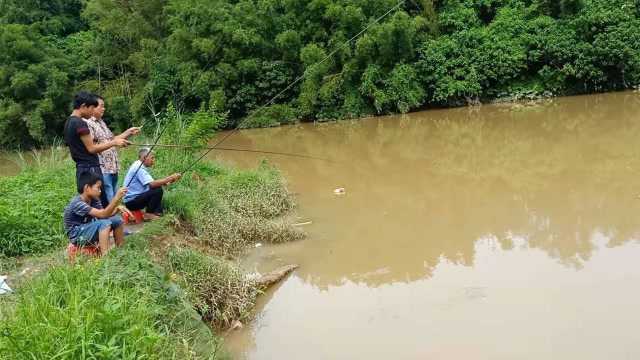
147 299
120 307
233 56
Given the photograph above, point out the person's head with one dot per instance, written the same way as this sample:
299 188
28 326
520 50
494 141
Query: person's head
90 184
85 103
147 157
98 112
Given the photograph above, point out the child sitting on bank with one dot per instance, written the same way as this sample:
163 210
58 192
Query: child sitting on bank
86 222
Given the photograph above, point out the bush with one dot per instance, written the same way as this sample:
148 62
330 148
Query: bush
260 192
219 290
236 56
273 115
34 87
241 208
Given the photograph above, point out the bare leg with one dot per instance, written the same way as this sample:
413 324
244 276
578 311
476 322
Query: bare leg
103 240
118 235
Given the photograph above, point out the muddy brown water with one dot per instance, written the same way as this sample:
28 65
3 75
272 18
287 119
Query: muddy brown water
493 232
8 164
12 162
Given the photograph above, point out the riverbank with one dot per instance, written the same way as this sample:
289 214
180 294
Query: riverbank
152 297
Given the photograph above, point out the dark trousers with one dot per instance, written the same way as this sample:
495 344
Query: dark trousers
152 200
95 169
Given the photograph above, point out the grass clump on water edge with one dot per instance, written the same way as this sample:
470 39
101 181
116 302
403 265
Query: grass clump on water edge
121 306
218 289
236 209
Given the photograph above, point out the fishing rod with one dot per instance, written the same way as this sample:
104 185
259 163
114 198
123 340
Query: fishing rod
238 150
297 80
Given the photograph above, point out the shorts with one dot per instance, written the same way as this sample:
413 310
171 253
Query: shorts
87 234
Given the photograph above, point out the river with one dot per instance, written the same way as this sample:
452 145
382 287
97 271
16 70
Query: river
8 166
492 232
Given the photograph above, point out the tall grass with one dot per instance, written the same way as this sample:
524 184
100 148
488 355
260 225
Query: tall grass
219 290
49 158
233 209
119 307
227 208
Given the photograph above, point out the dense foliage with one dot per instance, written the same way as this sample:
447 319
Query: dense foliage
233 56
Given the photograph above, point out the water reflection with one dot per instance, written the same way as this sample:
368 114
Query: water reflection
511 304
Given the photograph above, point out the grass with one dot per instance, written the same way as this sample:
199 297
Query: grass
122 306
136 302
30 209
231 222
229 209
219 290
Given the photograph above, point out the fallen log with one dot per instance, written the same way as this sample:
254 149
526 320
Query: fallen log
269 279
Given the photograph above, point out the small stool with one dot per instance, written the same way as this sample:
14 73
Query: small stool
138 217
73 250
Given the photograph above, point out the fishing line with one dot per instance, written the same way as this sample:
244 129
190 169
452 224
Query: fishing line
297 80
239 150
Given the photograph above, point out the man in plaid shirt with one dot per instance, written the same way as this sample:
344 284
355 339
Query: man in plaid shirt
109 162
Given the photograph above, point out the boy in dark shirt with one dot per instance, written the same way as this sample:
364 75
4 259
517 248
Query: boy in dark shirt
86 222
81 145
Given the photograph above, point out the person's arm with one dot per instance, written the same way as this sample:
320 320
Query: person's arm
98 148
110 210
130 132
166 181
123 210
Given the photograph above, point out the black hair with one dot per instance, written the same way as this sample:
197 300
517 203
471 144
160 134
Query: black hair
84 98
98 97
87 178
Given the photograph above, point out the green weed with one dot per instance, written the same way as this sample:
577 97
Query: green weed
219 290
240 208
31 207
119 307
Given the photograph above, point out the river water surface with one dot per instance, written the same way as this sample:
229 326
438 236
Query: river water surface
492 232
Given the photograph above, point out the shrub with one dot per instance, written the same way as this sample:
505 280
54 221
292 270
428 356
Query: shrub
273 115
219 290
261 192
240 208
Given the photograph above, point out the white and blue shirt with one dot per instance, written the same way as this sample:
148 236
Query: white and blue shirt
77 213
139 184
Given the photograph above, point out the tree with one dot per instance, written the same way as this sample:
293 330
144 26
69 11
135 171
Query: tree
34 87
